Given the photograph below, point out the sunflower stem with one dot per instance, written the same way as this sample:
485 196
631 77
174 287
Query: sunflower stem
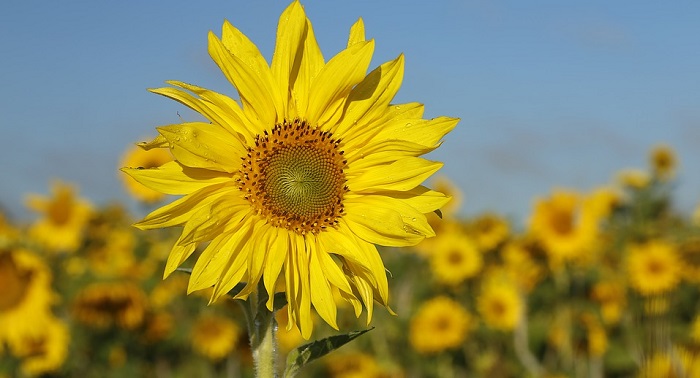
263 339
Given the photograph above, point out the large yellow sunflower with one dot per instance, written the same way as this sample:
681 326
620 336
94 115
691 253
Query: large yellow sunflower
300 180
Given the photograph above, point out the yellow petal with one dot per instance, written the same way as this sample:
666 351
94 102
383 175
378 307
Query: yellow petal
379 225
426 132
420 198
321 295
211 262
219 109
236 267
332 270
157 142
263 239
178 254
383 152
211 219
369 101
290 36
275 260
179 211
357 32
311 63
176 179
404 174
254 87
202 145
335 80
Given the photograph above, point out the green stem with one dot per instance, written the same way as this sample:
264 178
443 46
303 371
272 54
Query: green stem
262 340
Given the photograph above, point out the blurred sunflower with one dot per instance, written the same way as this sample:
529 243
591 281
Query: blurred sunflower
138 158
353 365
44 349
27 295
439 324
612 297
564 226
689 253
633 178
499 304
596 337
287 339
114 256
489 230
64 218
602 201
455 258
214 337
653 267
520 266
106 304
663 162
303 179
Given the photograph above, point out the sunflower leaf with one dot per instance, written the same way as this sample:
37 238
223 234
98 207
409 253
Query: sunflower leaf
299 357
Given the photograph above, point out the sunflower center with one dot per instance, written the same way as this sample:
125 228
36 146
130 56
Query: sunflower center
562 222
14 282
294 177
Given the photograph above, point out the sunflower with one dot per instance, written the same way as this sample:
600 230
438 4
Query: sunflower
136 157
455 258
520 266
27 296
353 365
653 267
214 336
105 304
633 178
300 181
489 230
565 227
612 297
499 303
439 324
663 162
65 217
44 349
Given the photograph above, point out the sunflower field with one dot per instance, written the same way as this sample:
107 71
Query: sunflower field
597 283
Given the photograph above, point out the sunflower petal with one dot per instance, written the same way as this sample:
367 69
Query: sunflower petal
202 145
305 69
255 92
426 132
357 32
380 225
177 212
403 174
291 31
321 295
178 254
275 260
335 80
369 101
157 142
175 178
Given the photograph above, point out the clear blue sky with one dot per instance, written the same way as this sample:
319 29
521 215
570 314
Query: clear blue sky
550 93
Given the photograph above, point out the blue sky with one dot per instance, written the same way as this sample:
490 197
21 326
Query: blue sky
550 93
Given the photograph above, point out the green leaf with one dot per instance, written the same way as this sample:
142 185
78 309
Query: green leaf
297 358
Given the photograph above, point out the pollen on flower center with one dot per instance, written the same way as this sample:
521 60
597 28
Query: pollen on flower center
294 176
